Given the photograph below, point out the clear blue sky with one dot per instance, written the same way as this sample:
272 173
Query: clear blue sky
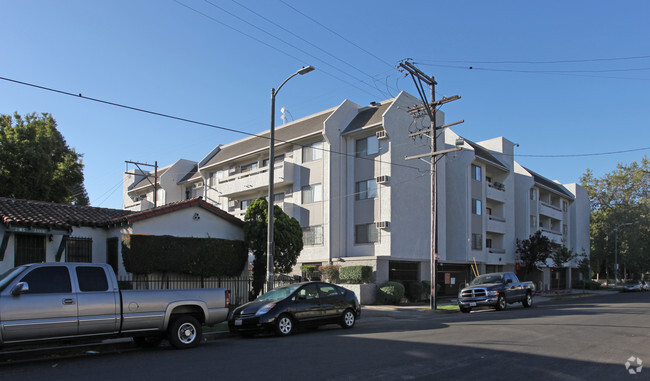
217 62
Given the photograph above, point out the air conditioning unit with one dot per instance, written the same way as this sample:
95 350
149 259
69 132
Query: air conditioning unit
382 224
382 179
232 170
232 203
198 185
381 134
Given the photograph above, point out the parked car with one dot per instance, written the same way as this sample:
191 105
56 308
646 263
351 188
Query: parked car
645 286
282 309
66 301
633 285
495 290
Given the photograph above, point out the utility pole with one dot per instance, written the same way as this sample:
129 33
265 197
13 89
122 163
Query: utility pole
429 107
143 173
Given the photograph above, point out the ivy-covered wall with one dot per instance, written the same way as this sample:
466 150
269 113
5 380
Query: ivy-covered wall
144 254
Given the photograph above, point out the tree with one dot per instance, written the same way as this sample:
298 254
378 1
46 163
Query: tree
536 249
560 255
287 239
618 198
36 163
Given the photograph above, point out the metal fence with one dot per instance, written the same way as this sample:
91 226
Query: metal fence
240 287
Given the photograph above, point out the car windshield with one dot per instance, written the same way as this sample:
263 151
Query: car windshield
279 293
488 278
632 282
8 276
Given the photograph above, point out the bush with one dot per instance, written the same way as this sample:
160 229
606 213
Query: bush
588 285
356 274
308 268
330 272
414 291
390 293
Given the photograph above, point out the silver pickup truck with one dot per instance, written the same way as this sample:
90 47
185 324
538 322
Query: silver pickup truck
63 301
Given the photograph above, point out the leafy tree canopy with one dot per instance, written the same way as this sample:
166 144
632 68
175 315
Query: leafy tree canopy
535 249
287 237
620 211
36 163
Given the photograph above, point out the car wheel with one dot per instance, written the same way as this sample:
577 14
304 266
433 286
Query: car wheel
465 310
147 341
185 332
284 325
528 300
501 303
348 319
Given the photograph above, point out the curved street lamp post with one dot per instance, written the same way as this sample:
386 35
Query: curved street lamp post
270 245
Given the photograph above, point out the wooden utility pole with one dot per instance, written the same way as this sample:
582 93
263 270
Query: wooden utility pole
146 176
430 107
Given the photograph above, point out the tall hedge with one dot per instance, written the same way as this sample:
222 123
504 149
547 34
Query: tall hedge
143 254
355 274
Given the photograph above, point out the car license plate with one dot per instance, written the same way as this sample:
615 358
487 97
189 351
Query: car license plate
238 322
472 304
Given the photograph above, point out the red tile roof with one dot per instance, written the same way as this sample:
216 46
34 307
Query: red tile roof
55 216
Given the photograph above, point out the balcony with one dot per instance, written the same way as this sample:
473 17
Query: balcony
496 224
257 179
496 191
549 210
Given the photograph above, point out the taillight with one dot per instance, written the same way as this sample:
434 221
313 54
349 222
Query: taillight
228 298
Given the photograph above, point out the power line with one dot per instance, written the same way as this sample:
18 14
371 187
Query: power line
538 62
334 32
585 154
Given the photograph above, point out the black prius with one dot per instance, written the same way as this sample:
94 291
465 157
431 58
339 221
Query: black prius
283 309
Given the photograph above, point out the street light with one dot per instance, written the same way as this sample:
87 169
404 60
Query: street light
616 251
270 243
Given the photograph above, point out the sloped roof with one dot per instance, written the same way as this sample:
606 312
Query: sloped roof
368 116
54 216
144 183
484 154
289 132
549 184
191 175
174 206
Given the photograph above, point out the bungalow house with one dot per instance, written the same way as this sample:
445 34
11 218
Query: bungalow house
37 231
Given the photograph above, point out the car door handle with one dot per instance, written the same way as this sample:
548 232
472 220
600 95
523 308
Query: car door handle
68 301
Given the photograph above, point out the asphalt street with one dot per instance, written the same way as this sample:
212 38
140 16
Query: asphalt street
589 338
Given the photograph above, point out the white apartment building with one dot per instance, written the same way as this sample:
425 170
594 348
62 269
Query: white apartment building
342 174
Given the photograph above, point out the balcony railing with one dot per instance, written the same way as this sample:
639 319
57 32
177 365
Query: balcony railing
259 178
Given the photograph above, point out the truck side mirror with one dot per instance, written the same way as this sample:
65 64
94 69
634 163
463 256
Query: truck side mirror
20 288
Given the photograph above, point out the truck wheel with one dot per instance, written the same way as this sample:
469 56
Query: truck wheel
147 341
284 325
501 303
528 300
185 332
465 310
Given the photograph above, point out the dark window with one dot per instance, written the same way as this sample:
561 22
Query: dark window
366 233
476 172
79 250
92 278
367 146
403 271
111 253
366 189
312 235
310 291
30 248
48 280
477 241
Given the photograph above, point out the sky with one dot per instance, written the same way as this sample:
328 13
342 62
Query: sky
566 80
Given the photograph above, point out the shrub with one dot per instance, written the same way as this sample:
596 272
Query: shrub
414 291
356 274
330 272
390 293
588 285
308 268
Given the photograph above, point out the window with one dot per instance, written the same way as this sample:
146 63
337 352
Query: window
92 279
565 229
533 194
278 198
327 291
488 243
565 206
188 192
366 233
533 222
79 250
30 248
48 280
477 207
403 271
476 173
249 167
477 241
312 193
366 189
312 235
310 291
367 146
277 159
243 205
312 152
